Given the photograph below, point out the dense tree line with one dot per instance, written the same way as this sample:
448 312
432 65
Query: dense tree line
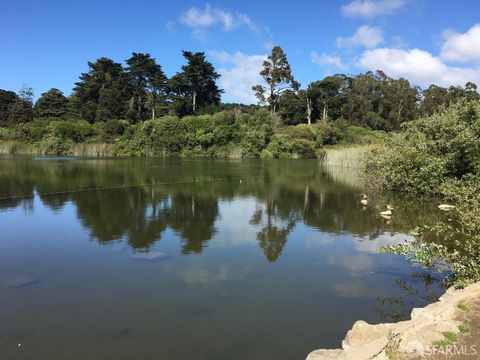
371 100
108 90
141 90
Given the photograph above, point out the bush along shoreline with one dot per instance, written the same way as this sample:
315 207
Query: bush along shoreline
225 134
439 155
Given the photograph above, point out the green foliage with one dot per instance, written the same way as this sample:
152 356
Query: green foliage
7 134
33 131
21 110
294 142
292 107
53 145
114 128
103 92
135 141
148 83
227 133
277 74
329 134
7 99
52 104
430 151
440 155
76 131
195 85
328 96
280 146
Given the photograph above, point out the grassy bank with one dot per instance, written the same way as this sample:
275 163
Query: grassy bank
226 134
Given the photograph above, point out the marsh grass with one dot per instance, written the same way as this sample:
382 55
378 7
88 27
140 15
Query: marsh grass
349 157
93 149
16 147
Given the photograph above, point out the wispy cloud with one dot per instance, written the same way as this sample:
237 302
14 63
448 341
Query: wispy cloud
372 8
328 61
366 36
200 19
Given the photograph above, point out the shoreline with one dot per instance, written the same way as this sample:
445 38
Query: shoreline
417 337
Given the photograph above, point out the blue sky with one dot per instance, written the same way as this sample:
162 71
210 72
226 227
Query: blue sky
47 43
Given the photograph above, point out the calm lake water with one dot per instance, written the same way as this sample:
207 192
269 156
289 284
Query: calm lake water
197 259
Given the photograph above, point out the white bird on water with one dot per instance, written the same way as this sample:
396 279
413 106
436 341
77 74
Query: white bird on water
387 212
364 201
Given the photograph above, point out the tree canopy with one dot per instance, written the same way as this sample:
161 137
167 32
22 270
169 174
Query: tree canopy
278 76
52 104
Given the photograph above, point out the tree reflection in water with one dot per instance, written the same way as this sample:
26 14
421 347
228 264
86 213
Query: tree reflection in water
393 309
286 192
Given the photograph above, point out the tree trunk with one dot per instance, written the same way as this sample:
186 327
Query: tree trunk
324 118
400 112
273 100
154 98
194 101
139 108
309 111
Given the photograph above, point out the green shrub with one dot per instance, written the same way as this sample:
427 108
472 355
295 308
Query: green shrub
134 142
169 136
115 128
430 151
362 136
53 145
6 134
280 146
302 131
77 131
304 149
266 154
329 134
440 155
32 131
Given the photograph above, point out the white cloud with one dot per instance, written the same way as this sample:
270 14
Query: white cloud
239 73
327 61
371 8
462 47
200 19
195 17
420 67
367 36
249 23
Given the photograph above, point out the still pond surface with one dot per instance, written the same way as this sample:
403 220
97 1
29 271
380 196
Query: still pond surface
197 259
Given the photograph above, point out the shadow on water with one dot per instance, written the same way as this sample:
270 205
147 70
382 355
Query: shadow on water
317 247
